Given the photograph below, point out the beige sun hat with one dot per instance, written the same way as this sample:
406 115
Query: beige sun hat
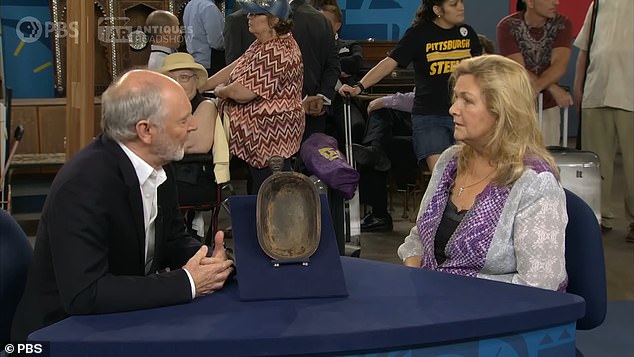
183 60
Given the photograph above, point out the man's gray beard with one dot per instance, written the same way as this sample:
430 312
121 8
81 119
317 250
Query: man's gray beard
179 156
170 152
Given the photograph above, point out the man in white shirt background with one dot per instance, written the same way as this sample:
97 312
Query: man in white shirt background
204 23
164 30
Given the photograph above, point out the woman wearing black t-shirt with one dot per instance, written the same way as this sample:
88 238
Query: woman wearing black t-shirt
435 43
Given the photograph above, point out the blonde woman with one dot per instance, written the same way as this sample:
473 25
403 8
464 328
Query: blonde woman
494 207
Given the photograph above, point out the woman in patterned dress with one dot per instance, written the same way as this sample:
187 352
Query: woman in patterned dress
494 207
262 91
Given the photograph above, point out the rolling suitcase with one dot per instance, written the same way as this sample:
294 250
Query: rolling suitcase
579 171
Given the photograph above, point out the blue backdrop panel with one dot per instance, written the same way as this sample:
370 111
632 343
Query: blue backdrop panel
379 19
26 43
389 19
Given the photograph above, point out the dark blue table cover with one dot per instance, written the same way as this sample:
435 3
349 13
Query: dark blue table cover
389 307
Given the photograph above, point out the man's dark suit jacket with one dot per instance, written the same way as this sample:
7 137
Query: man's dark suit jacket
90 247
237 36
316 40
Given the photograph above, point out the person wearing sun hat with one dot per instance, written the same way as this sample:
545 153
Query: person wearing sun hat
203 141
261 91
185 64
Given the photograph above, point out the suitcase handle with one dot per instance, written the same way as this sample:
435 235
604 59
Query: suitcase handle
348 131
540 118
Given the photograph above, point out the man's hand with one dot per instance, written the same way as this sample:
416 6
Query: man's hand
561 96
210 273
375 104
313 105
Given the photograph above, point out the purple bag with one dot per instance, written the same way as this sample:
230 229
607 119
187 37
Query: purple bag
322 157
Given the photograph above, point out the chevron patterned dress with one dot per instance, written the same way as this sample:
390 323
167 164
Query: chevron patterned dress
272 123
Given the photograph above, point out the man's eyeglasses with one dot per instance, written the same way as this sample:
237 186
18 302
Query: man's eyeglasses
184 78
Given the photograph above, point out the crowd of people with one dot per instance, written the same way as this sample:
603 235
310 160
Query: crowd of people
111 237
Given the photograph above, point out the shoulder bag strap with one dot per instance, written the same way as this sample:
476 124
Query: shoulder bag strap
593 22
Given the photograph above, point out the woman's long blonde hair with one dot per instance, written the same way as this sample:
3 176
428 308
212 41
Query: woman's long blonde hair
508 94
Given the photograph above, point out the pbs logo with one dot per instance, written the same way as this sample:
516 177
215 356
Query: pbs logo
29 29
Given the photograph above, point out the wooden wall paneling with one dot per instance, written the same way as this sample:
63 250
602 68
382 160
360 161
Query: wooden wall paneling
137 13
179 10
103 63
375 51
52 129
97 119
27 117
80 77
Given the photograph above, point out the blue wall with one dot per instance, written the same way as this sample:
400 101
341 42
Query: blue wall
28 65
379 19
388 19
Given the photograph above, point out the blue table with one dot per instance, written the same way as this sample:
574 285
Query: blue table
390 307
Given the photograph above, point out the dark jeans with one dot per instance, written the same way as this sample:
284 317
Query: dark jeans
314 124
385 123
373 191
